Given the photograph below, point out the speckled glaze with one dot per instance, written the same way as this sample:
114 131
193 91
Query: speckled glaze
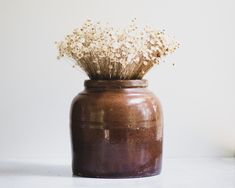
116 130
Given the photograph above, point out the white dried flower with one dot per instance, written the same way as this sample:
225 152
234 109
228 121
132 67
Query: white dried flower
105 53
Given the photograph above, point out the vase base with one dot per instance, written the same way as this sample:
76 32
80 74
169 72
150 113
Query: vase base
115 176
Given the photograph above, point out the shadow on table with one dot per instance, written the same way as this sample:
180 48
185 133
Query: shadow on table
34 169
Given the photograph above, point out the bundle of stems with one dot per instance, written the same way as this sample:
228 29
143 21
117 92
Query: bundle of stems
105 53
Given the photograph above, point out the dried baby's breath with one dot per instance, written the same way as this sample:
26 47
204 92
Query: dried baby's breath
106 53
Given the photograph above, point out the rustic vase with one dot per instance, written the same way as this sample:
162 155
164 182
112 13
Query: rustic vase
116 130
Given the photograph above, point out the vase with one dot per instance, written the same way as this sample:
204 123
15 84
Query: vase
116 130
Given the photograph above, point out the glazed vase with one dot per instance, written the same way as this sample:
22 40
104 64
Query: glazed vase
116 130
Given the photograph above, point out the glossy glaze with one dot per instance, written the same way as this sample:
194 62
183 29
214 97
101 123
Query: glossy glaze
116 130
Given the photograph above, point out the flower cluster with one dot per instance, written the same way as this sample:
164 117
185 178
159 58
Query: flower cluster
107 53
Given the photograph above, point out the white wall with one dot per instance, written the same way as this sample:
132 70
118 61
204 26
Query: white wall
198 93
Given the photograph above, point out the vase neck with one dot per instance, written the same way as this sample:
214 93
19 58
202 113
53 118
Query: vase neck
115 84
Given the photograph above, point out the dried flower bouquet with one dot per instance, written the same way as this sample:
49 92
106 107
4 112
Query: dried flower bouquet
105 53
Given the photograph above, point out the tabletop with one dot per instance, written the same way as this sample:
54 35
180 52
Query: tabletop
177 173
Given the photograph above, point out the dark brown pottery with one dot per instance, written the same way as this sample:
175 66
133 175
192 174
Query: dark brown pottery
116 130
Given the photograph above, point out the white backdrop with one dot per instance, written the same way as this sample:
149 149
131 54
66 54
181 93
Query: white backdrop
198 93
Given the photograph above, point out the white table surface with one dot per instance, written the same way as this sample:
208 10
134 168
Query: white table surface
177 173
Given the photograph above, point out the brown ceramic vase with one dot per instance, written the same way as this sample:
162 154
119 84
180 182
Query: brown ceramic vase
116 130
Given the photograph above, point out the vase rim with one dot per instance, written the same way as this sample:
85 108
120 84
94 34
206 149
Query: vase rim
118 84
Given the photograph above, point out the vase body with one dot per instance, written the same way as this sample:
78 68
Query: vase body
116 130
